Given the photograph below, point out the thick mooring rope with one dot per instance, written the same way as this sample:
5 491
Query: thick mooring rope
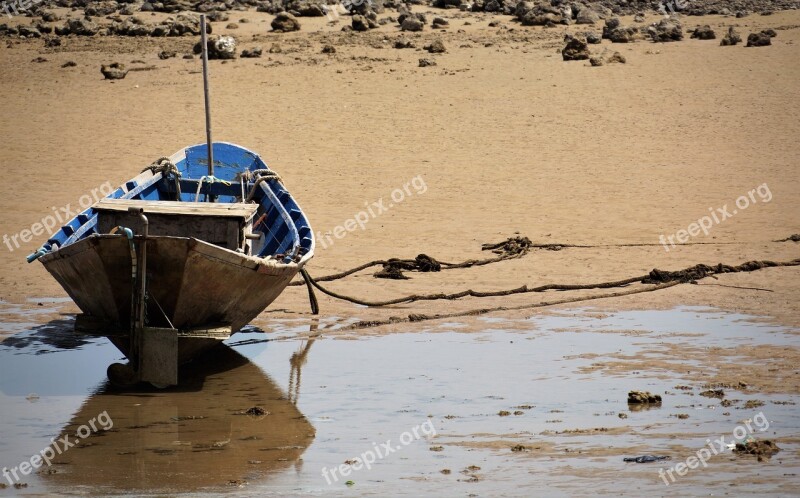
517 247
164 166
656 276
417 317
511 248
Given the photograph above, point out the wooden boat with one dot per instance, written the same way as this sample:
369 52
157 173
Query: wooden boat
180 257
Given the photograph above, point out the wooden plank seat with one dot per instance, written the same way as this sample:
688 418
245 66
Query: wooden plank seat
222 224
231 210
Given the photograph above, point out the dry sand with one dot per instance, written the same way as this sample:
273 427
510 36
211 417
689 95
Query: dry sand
507 137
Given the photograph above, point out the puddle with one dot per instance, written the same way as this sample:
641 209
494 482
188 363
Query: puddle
537 407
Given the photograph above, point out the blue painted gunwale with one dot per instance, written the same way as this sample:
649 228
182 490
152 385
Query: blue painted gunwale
288 235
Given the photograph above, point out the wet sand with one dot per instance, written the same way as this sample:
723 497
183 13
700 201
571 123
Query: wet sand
508 139
552 413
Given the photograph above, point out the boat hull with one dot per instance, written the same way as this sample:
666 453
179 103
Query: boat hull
193 286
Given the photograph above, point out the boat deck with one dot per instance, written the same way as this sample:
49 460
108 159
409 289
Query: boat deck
228 209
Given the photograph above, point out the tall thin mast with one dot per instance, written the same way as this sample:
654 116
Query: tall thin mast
204 42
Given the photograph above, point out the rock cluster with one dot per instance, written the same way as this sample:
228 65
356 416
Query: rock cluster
219 47
704 33
576 49
731 38
666 30
114 71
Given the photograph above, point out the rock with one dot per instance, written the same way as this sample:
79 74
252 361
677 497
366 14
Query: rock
275 48
616 58
596 61
540 14
764 448
404 42
359 23
611 25
232 25
44 28
48 16
405 14
186 24
173 6
426 62
28 32
412 24
102 8
114 71
623 35
285 23
445 4
160 30
439 22
52 41
575 49
219 47
704 33
364 7
39 59
666 30
78 27
587 16
133 27
732 38
252 53
328 49
769 32
758 40
643 397
638 18
713 393
593 38
532 19
218 16
310 10
436 47
164 54
256 410
69 64
188 56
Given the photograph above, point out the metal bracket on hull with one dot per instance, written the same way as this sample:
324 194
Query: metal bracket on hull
158 356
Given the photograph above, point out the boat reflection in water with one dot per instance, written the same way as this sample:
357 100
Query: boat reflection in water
226 424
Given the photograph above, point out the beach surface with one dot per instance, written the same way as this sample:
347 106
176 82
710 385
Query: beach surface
686 154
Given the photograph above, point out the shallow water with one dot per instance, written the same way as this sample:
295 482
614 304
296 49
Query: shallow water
330 400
